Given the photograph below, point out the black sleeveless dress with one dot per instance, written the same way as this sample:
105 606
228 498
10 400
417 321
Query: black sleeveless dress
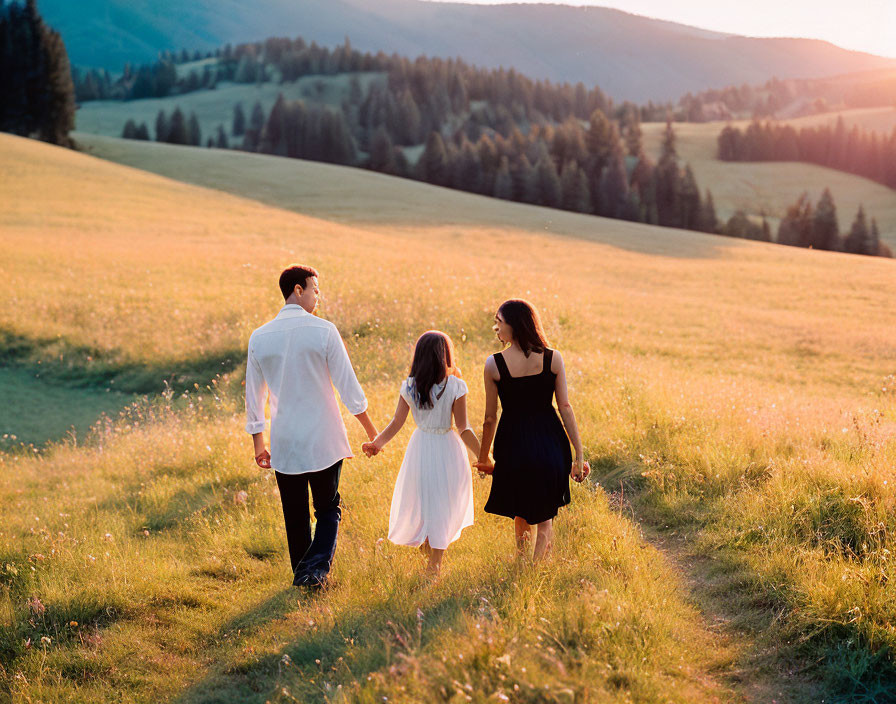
532 453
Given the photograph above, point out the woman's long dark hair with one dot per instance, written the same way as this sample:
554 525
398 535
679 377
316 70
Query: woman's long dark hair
523 319
433 361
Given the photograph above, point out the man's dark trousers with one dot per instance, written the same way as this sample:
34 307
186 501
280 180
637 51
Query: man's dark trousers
311 559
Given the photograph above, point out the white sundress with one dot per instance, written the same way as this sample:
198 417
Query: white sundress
433 495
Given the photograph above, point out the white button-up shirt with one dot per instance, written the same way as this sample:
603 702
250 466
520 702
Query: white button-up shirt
297 358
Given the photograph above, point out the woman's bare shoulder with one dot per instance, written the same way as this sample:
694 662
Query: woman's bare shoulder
556 361
491 368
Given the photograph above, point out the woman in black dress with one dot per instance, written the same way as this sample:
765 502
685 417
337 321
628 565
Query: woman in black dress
532 459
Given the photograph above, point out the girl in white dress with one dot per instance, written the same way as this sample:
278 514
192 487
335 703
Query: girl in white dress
433 498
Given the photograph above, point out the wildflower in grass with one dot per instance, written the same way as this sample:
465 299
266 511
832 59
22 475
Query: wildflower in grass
45 640
36 606
240 498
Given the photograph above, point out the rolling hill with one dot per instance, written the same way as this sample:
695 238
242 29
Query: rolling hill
628 56
755 188
771 187
736 400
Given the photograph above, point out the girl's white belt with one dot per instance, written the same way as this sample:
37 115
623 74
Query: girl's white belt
436 431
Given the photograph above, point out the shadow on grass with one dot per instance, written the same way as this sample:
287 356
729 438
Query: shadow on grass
341 650
78 366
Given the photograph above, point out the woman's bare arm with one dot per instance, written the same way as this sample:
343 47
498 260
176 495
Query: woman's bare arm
490 422
568 416
463 427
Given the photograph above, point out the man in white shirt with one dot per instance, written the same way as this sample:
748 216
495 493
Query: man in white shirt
295 360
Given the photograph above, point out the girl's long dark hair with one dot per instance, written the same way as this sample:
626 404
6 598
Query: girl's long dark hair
433 361
523 319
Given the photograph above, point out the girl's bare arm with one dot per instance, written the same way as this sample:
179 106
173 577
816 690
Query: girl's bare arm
389 432
463 427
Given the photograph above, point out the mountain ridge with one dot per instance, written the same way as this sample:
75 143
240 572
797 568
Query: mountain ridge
629 56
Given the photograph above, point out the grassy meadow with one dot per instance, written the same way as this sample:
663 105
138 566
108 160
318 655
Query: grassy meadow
770 188
215 107
736 401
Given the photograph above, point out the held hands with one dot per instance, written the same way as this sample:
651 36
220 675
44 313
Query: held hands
370 449
580 470
484 468
263 459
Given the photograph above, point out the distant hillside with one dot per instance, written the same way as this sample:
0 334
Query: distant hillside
628 56
769 188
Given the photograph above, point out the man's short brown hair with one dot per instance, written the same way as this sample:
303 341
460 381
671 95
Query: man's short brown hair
295 276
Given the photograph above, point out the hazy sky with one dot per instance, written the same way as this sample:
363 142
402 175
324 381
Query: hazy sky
866 25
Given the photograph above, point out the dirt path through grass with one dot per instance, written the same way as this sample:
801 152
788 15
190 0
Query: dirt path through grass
761 671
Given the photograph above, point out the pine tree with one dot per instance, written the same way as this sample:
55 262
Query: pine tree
858 241
36 85
221 140
162 127
142 132
574 189
382 151
503 181
130 130
825 231
632 133
523 176
402 168
875 246
273 136
178 132
707 220
467 170
614 190
489 161
295 126
337 143
634 210
407 121
689 198
59 118
547 183
35 69
601 140
795 228
250 140
433 164
458 93
239 120
668 182
195 134
739 225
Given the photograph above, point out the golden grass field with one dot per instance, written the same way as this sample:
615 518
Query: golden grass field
735 398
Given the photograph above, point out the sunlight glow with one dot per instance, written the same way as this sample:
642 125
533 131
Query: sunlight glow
861 25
